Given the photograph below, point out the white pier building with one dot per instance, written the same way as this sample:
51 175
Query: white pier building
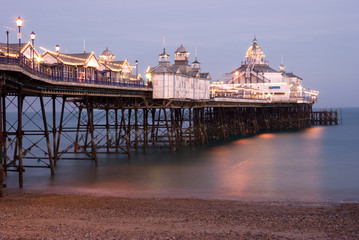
180 80
259 80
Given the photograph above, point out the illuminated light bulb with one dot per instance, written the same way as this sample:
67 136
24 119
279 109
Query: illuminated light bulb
19 21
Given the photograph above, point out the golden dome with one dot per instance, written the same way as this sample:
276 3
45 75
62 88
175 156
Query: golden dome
254 51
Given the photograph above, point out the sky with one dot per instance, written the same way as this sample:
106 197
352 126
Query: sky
317 39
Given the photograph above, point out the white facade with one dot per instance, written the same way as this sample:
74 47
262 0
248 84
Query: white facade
180 80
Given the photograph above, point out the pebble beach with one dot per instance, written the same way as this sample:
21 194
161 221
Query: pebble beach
64 216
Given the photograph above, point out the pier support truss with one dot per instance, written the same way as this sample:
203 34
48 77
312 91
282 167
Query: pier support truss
39 131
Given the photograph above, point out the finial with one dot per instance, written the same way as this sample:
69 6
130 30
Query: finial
281 66
196 54
255 39
164 43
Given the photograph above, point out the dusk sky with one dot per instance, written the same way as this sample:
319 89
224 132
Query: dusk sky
318 39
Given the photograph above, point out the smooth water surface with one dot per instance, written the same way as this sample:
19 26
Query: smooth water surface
315 164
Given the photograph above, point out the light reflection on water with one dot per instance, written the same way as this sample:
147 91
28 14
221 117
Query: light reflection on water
319 163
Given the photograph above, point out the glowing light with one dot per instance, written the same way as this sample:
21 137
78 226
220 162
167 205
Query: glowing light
19 21
148 76
91 61
32 36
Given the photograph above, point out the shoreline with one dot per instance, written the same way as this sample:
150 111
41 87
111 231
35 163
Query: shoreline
84 216
136 194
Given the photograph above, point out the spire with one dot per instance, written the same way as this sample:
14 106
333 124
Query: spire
164 44
164 57
281 66
196 55
196 64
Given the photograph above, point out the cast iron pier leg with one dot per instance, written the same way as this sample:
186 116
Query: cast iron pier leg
19 136
90 122
60 129
47 135
54 126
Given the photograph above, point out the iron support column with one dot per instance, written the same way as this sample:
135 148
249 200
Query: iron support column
19 136
47 135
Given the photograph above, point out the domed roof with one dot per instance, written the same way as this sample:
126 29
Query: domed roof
181 49
255 53
254 50
107 52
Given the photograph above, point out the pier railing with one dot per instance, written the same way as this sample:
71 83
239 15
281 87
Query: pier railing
40 71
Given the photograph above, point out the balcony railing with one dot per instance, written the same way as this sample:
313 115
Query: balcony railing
41 71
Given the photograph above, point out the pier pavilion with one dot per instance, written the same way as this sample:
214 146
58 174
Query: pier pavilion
116 71
180 80
86 67
256 74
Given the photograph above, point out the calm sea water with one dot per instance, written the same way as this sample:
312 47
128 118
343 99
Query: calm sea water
316 164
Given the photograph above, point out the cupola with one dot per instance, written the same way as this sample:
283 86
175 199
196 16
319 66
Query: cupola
107 55
255 54
164 58
181 56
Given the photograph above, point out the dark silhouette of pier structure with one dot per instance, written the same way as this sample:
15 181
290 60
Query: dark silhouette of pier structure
46 118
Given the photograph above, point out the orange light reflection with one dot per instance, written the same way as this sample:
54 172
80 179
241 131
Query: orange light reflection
314 132
266 135
242 141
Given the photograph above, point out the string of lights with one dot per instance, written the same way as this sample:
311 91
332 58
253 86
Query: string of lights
15 30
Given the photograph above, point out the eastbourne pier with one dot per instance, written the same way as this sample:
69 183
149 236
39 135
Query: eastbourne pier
57 106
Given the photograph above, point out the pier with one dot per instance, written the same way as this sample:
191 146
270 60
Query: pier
57 119
59 106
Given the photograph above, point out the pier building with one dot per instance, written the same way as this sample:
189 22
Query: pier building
116 71
256 78
180 80
86 67
25 50
82 66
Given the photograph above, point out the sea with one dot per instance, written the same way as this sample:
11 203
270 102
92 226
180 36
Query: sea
320 163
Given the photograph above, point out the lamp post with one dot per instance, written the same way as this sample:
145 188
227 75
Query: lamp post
7 45
136 70
57 48
33 36
19 24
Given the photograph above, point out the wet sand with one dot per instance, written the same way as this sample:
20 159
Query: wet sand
51 216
